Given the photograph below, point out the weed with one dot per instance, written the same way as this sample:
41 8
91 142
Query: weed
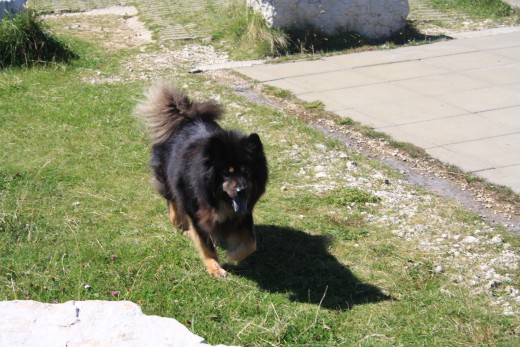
346 121
247 30
347 195
314 105
24 41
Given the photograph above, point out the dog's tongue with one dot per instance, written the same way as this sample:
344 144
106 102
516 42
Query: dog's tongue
239 205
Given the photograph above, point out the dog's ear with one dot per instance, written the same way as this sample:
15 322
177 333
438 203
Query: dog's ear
253 143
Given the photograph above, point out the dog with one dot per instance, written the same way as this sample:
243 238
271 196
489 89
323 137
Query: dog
211 178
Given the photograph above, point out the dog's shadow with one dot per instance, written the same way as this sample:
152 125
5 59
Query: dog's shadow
291 261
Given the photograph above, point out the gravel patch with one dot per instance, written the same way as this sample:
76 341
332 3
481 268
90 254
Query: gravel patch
471 254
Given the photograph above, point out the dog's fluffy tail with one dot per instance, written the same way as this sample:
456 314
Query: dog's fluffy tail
166 108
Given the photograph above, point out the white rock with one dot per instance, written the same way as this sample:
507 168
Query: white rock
374 19
496 239
471 239
89 323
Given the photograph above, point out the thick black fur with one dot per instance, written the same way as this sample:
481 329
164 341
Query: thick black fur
212 177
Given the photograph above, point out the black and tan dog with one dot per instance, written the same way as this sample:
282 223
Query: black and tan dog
210 177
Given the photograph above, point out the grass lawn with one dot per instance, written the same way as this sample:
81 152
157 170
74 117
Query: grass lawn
80 221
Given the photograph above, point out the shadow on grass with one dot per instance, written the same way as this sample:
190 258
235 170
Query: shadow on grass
312 40
289 260
25 41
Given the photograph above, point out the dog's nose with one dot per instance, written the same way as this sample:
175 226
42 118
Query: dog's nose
241 192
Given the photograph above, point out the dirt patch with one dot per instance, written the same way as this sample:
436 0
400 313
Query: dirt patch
115 28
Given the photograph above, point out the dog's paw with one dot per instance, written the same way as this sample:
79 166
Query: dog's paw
220 272
214 269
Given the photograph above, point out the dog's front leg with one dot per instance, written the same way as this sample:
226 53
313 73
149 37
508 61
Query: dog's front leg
179 220
241 244
207 252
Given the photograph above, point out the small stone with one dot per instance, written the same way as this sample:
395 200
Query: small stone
471 239
496 239
439 269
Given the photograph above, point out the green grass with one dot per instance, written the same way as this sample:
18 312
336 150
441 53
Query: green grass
481 9
80 221
25 41
244 32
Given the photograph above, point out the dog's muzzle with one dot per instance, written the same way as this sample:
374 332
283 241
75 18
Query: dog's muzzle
239 202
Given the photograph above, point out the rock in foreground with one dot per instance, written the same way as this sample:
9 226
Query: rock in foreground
88 323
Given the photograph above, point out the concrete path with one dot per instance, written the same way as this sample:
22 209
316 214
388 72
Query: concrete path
458 99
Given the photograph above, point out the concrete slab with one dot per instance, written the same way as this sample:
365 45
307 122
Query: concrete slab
327 81
497 75
443 84
510 52
340 99
270 72
488 40
469 61
407 136
458 99
411 110
508 117
499 151
484 99
464 162
441 132
440 49
364 59
508 176
403 70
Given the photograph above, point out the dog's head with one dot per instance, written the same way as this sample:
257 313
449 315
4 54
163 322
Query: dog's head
238 169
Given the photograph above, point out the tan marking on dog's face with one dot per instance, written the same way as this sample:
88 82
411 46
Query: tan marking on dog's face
231 170
229 187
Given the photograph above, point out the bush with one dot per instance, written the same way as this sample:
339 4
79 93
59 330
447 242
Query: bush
24 41
247 31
